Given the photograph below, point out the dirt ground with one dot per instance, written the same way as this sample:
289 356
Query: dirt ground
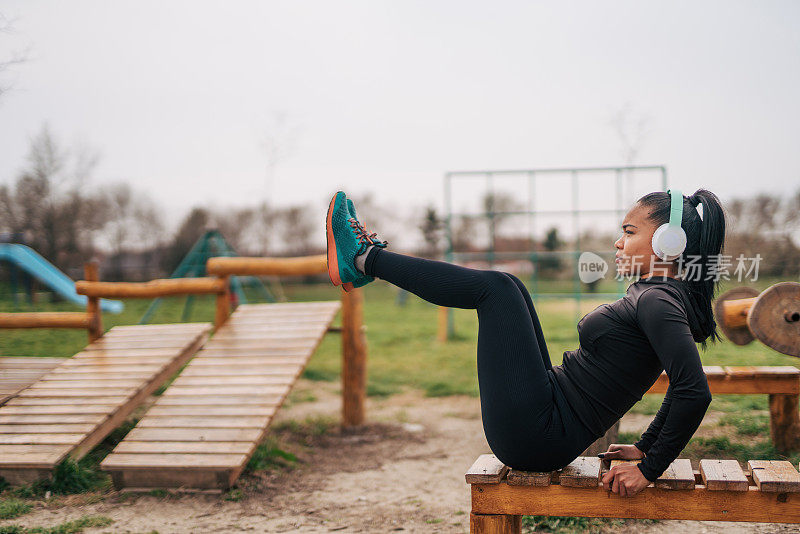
402 472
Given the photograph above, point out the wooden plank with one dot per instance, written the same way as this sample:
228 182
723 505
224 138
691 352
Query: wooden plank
107 376
650 503
106 345
196 370
487 469
39 401
248 380
515 477
26 439
582 472
232 400
174 461
203 422
678 476
192 391
64 383
193 434
63 393
125 353
49 419
228 361
184 447
723 475
46 429
775 476
21 409
245 410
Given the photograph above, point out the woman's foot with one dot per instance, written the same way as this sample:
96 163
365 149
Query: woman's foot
346 239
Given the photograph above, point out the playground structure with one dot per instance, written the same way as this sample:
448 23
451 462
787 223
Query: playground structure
22 257
769 491
210 245
253 355
537 257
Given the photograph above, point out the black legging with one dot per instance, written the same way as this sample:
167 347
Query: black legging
527 422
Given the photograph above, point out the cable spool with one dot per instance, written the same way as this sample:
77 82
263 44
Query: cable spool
772 316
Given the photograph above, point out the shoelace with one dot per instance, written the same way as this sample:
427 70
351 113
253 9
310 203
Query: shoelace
363 236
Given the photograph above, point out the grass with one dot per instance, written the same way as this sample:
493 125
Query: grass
403 353
11 508
69 527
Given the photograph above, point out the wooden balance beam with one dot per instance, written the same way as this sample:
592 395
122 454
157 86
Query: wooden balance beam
203 429
769 491
71 408
781 383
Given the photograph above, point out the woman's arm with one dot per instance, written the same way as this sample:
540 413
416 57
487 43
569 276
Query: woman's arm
651 434
663 320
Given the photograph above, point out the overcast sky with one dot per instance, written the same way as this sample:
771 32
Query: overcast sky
179 98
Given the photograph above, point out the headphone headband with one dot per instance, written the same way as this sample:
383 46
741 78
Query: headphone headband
676 207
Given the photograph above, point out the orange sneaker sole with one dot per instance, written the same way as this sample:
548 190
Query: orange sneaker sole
333 261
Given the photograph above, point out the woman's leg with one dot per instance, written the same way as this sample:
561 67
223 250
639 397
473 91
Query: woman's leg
534 319
515 391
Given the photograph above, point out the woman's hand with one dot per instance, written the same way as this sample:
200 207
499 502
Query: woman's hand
625 479
618 451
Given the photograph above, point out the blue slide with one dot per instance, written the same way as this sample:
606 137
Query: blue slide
30 261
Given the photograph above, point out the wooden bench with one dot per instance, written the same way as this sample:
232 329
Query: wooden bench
781 383
17 373
203 429
769 491
70 409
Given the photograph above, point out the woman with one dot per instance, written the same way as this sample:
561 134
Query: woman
540 417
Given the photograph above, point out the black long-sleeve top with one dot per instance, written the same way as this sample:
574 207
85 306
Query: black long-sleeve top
624 347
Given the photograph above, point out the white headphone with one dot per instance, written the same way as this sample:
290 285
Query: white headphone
669 240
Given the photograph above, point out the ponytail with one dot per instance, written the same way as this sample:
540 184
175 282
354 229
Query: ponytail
705 240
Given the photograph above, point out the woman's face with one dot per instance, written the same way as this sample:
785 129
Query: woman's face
635 249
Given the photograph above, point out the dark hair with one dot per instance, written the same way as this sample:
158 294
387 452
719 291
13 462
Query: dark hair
704 238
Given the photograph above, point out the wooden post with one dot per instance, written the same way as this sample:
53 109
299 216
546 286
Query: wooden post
90 273
354 358
494 524
441 333
223 304
784 422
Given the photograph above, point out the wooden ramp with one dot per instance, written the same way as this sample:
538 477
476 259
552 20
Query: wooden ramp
205 427
71 408
17 373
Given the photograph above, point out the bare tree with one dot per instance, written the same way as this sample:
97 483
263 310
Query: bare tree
431 228
632 128
51 205
17 57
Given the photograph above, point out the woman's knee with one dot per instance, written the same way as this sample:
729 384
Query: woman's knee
499 281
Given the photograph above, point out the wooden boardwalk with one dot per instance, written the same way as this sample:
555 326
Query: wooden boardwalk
17 373
71 408
205 427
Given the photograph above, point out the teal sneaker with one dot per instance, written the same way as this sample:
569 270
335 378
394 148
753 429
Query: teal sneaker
346 238
363 279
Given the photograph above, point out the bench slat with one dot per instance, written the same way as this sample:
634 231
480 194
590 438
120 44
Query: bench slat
775 476
515 477
723 475
678 476
487 469
583 472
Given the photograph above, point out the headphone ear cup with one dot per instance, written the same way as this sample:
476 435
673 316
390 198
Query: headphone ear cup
668 242
656 241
